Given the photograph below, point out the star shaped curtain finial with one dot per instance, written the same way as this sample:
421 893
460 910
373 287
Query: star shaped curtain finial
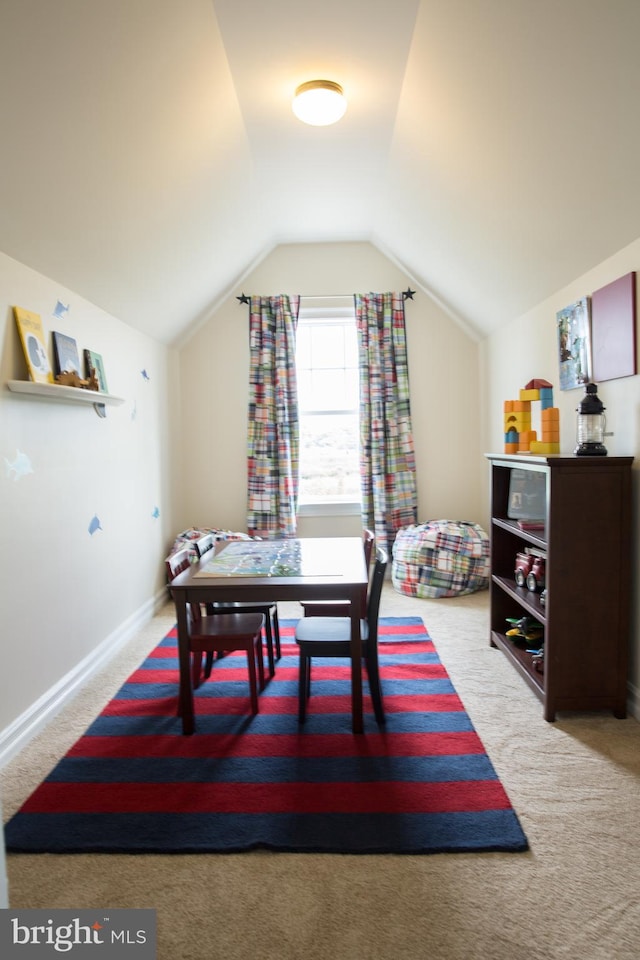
408 294
243 298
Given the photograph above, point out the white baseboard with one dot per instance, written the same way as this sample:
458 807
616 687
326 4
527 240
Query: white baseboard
14 737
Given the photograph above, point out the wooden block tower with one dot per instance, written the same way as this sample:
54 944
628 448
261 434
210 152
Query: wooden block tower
518 435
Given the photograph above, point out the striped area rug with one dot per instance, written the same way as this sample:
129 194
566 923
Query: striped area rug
133 783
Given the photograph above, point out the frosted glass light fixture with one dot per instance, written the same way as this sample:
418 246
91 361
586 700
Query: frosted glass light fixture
319 102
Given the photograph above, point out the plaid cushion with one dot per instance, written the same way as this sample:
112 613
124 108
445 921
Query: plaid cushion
188 539
441 558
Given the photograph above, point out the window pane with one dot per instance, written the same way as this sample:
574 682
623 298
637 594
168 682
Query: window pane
328 346
329 458
303 346
328 390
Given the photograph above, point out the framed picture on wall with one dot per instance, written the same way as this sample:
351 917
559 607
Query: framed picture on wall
574 344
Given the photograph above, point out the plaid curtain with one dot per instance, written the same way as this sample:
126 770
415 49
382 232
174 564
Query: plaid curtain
387 459
273 429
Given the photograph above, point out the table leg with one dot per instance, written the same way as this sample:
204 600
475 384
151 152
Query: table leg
185 690
356 665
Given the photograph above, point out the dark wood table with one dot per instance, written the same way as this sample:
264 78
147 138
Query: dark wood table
325 568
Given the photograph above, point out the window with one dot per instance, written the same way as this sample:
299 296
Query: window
328 398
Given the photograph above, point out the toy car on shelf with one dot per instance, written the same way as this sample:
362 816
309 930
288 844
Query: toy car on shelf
524 563
530 571
535 577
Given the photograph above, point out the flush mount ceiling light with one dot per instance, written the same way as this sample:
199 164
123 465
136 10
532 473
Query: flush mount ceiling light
319 102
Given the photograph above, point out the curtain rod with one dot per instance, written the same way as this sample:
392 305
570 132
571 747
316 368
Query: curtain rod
406 295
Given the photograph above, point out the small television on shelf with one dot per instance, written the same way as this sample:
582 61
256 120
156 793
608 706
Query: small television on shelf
527 496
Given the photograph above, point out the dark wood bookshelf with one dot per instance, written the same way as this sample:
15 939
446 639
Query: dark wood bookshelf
587 543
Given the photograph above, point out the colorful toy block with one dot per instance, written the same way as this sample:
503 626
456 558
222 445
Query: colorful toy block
540 446
546 397
518 421
525 439
518 435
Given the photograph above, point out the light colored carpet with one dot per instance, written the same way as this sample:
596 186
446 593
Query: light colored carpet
575 895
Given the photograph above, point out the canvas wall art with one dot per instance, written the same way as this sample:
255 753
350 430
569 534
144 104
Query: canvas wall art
613 329
574 344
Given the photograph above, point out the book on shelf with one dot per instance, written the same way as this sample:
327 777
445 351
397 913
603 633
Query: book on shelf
531 524
93 361
65 354
33 344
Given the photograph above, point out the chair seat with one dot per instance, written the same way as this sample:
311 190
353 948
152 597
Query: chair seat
271 624
328 631
225 627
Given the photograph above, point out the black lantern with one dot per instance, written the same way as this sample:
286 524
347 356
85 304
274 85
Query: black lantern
591 424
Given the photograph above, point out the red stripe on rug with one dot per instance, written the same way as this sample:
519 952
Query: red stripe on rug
390 647
161 706
340 670
268 798
440 743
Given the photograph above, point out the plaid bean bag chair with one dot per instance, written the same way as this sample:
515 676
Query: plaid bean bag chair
440 558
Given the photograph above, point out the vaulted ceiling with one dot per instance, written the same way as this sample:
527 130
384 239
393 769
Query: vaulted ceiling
150 156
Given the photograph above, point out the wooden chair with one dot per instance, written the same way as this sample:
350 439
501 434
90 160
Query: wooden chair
339 608
268 609
221 632
331 637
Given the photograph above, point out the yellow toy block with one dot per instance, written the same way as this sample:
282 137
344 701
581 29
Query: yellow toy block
523 416
539 446
529 394
517 421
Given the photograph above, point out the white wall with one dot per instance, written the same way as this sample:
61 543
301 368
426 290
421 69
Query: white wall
443 374
527 348
69 596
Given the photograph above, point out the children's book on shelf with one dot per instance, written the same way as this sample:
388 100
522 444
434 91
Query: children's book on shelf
33 344
93 360
65 354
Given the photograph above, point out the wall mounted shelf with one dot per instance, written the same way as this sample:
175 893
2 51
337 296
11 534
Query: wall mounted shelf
56 391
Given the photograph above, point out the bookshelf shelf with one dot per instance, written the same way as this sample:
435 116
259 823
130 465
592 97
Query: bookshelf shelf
57 392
